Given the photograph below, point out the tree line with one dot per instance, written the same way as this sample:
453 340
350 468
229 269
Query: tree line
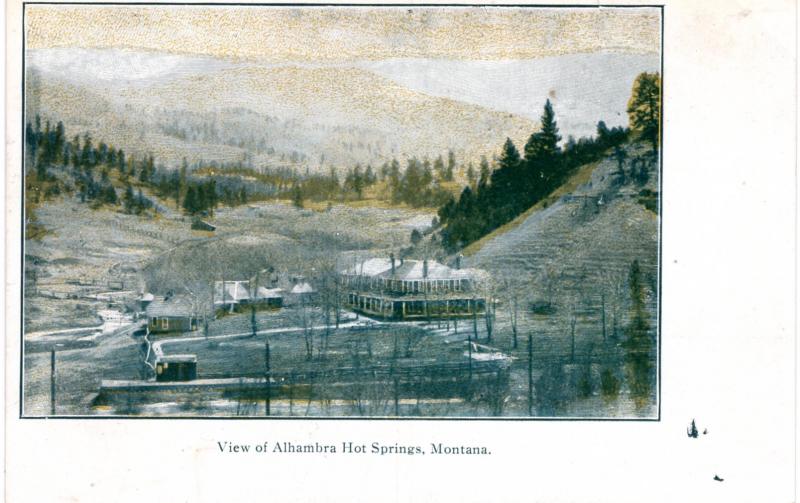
520 180
86 168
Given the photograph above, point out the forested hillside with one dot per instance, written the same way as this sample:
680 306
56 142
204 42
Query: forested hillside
521 180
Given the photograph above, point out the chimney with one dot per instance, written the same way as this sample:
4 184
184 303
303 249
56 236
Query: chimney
391 257
458 261
425 268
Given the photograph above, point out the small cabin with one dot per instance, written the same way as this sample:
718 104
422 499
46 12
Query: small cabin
231 295
176 368
302 293
172 313
268 297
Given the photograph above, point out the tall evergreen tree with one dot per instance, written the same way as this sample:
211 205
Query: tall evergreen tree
121 161
30 140
507 194
485 173
544 143
87 153
472 177
438 167
451 166
75 158
128 199
644 107
542 155
190 201
58 143
297 196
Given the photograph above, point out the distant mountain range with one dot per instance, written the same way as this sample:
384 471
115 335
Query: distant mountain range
313 116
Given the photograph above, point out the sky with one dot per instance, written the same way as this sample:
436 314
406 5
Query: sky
346 34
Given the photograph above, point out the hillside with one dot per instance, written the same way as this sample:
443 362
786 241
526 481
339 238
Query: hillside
289 115
574 251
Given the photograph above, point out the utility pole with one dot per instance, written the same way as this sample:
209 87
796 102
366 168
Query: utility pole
603 313
572 347
253 322
291 393
475 317
530 374
267 373
469 348
396 397
52 382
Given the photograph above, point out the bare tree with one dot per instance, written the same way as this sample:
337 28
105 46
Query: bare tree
511 293
550 279
303 316
412 339
489 306
616 299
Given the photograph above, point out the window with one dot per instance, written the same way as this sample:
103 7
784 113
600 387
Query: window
164 323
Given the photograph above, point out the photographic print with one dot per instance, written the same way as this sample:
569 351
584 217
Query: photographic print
366 211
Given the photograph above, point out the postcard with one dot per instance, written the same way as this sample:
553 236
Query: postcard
385 233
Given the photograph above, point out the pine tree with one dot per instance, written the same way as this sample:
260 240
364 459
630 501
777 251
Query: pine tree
485 173
451 166
182 177
438 167
200 199
87 153
544 143
30 140
542 156
369 176
507 193
211 196
58 144
297 196
140 202
76 148
644 107
472 177
190 201
121 161
46 152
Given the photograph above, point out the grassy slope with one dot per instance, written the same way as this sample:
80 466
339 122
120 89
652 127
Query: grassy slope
582 176
380 109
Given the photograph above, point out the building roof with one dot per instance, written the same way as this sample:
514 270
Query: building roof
412 270
176 306
269 293
302 288
235 291
176 359
371 267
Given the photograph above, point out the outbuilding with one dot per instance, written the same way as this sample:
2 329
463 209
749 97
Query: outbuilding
176 368
171 313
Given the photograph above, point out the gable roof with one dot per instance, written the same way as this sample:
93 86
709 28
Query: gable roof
269 293
371 267
177 306
235 291
302 288
412 270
